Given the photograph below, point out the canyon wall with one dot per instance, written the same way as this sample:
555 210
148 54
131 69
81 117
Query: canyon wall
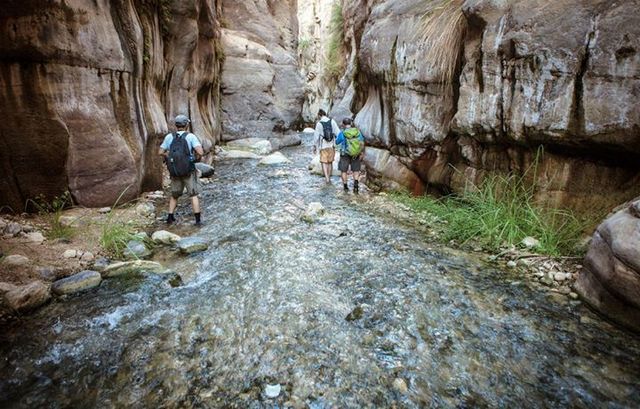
551 83
262 88
89 87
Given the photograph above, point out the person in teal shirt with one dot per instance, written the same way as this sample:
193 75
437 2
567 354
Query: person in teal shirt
350 142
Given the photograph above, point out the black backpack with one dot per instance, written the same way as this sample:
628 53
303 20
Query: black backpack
179 160
327 127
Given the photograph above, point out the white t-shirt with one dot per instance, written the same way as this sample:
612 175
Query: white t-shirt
320 142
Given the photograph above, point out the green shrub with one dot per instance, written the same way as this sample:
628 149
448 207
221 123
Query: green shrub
501 212
52 212
334 62
115 236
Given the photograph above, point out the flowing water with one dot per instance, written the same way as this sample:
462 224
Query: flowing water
356 310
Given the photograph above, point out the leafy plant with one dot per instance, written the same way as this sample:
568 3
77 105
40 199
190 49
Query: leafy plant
52 212
444 29
334 64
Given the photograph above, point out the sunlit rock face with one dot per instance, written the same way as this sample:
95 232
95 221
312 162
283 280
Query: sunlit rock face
562 76
262 89
87 88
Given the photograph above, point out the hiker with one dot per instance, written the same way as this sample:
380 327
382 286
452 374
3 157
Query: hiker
181 150
351 144
325 141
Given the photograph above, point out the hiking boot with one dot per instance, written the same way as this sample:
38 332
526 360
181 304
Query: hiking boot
356 187
170 218
346 187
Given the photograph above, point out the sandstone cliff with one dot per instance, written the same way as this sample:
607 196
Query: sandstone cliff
558 75
87 87
262 90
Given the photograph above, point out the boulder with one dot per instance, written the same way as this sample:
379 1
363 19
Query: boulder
275 158
136 249
12 229
308 130
610 278
15 260
125 268
164 237
192 245
78 282
27 297
285 141
387 172
255 145
313 212
205 170
237 154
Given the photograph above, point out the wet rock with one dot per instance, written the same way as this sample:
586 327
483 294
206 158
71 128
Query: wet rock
285 141
309 130
255 145
104 210
164 237
192 245
355 314
530 242
276 158
101 263
272 391
27 297
70 253
313 212
78 282
400 386
205 170
146 209
175 280
136 250
132 267
15 260
35 237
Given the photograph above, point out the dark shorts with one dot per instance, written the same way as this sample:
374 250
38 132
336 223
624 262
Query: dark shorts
347 161
189 183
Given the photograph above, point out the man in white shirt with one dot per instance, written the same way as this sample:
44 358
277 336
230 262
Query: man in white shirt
325 142
188 182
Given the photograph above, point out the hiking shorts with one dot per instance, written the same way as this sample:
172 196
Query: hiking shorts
327 155
347 161
190 183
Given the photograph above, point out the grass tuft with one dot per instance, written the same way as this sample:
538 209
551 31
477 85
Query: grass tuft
115 236
500 213
52 212
444 29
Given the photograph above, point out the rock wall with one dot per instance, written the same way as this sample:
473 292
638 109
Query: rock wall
262 89
87 87
610 279
562 76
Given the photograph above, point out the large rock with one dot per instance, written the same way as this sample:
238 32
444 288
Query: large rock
125 268
390 173
136 249
90 85
230 154
261 85
27 297
82 281
192 245
275 158
164 237
15 260
255 145
610 279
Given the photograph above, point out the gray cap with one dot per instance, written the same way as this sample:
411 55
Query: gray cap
182 120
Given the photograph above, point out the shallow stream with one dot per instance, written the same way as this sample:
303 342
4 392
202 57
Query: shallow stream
356 310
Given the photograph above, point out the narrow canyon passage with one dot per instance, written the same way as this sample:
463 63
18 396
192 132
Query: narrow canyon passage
358 309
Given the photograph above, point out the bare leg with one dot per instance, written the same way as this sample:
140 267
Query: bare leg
356 176
344 178
327 168
195 203
173 202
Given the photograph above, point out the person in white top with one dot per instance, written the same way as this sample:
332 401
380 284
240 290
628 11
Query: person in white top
325 141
